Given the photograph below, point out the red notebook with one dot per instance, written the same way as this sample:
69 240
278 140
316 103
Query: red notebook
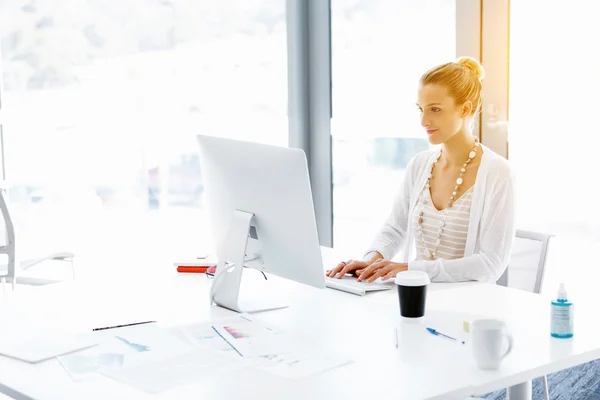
192 269
199 265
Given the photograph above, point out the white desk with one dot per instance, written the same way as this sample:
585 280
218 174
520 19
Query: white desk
424 366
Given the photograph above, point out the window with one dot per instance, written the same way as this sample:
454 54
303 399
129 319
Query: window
553 137
102 102
551 89
380 49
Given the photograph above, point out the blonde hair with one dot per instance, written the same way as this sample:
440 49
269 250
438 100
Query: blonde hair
462 78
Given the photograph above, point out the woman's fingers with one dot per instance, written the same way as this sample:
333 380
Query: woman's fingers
332 272
370 269
389 275
380 272
348 268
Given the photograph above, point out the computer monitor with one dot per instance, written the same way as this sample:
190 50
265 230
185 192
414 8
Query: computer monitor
260 209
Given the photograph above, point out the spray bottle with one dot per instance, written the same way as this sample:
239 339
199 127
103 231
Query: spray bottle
561 325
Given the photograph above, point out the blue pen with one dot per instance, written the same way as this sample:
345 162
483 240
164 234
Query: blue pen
434 332
227 341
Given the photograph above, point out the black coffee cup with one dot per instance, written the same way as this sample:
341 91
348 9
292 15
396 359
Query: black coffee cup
412 293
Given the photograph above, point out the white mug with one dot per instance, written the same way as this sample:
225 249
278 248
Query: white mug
491 342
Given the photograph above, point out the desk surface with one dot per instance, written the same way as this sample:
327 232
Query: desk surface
424 366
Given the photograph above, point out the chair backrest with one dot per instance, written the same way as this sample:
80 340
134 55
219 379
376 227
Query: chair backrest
8 247
527 262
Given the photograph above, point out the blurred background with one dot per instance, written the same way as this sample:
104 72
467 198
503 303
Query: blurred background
101 101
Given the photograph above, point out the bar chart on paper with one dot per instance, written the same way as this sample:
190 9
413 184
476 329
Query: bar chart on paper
269 348
236 334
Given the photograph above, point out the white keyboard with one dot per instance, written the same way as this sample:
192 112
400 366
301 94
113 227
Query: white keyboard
351 285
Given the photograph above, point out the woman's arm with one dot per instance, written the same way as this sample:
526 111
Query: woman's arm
496 235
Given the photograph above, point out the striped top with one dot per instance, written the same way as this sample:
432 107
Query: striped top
454 235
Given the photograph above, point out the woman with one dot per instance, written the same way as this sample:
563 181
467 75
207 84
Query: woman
456 204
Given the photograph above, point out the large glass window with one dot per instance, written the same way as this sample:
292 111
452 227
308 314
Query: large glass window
551 90
102 101
380 49
553 133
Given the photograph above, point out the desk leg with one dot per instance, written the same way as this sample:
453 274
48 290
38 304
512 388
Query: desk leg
522 391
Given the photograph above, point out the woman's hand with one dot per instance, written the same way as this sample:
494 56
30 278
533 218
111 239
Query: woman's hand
383 269
347 267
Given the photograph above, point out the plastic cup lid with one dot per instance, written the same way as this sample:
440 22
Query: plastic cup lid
412 278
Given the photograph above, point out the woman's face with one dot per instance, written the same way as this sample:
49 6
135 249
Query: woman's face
440 116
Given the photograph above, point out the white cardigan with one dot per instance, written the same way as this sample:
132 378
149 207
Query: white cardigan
491 228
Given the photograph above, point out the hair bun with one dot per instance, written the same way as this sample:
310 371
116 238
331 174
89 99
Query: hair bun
473 65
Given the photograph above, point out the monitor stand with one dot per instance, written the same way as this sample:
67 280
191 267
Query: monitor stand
225 289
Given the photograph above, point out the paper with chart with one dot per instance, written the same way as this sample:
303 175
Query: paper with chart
122 347
206 336
268 347
250 338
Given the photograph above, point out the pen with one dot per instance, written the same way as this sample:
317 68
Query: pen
124 325
434 332
227 341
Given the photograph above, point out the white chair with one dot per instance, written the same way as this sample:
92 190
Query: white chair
9 249
527 263
526 268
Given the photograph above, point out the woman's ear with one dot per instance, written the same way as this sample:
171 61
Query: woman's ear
466 109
